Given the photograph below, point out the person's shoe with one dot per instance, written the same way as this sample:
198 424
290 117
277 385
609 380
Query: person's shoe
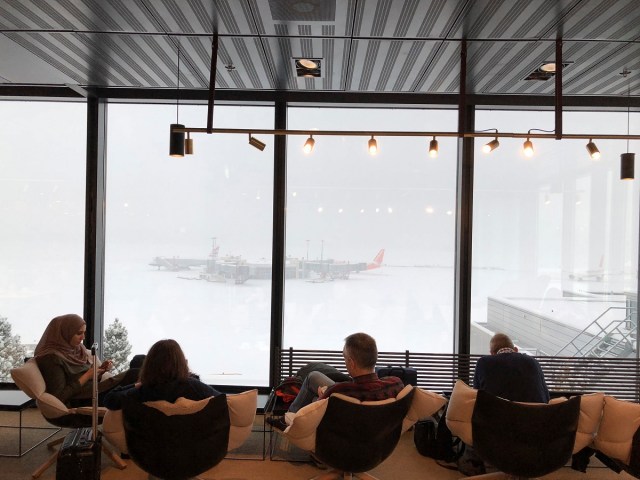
277 423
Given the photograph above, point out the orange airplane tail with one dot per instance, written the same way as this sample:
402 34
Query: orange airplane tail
377 260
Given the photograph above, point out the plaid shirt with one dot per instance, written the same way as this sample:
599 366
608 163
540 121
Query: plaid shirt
367 387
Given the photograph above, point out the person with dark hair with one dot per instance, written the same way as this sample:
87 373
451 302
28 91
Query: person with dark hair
165 375
360 356
65 363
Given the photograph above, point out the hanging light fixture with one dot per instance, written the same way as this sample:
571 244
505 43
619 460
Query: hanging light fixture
188 145
627 160
176 139
527 148
253 141
373 146
491 146
433 148
308 145
594 153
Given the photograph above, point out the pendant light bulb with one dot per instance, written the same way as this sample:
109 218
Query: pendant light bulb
373 146
594 153
308 145
433 148
527 148
491 146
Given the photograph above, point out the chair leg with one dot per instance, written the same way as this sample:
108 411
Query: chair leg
121 464
50 461
55 442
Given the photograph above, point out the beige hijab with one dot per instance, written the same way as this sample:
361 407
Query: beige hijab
57 336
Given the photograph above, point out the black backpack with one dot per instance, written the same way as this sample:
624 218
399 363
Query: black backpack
433 439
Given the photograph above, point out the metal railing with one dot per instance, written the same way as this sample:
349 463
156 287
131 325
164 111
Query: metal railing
618 338
438 372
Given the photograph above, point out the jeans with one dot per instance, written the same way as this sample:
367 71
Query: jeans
309 390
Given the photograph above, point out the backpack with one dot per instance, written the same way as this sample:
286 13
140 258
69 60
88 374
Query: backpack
433 439
281 396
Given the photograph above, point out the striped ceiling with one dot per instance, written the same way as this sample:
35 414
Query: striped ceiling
401 46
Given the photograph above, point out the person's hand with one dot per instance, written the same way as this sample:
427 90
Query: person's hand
106 365
321 390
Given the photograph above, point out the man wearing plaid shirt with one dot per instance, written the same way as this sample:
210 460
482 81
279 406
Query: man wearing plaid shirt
360 356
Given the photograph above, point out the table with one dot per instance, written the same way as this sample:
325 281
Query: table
18 401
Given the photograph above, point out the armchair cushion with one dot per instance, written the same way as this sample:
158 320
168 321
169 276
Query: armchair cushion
591 406
620 420
29 379
460 411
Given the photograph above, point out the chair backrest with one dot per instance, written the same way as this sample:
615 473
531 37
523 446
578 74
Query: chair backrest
356 437
177 440
29 379
521 439
524 439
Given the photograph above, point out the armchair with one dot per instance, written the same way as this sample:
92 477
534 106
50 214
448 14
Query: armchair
183 439
520 439
353 437
29 379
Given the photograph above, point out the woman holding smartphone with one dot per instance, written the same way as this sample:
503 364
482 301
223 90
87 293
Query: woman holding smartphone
65 363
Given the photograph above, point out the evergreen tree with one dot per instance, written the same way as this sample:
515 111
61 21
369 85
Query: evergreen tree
117 346
12 352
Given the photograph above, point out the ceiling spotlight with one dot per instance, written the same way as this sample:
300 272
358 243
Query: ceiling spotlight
256 143
491 146
308 67
308 145
176 141
309 63
188 145
433 148
373 146
548 67
527 148
594 153
627 165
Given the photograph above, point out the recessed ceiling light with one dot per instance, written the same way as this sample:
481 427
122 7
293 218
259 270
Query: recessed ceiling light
546 70
548 67
308 67
308 63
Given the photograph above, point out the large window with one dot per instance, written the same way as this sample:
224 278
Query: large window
188 240
555 240
370 239
42 199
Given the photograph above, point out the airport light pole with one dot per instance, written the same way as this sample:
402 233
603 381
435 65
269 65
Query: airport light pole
307 249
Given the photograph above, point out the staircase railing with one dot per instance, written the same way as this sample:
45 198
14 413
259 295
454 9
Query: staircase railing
616 338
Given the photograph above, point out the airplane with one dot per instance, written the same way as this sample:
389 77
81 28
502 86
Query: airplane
237 270
331 269
589 275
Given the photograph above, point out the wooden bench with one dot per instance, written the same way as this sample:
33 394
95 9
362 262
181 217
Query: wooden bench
438 372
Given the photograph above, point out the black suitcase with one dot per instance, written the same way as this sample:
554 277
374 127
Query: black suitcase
79 457
408 375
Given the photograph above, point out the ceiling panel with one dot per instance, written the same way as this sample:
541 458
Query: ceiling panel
402 46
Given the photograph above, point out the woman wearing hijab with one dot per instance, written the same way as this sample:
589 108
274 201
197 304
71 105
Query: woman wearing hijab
66 364
164 376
